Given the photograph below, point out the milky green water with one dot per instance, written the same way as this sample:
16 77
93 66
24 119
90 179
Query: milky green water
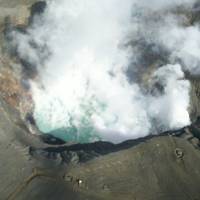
85 132
84 94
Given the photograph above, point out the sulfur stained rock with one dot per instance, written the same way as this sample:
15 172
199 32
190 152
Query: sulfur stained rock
10 88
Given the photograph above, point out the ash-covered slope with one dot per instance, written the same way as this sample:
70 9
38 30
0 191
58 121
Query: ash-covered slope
162 167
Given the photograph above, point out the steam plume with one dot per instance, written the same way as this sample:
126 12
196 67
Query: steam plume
109 69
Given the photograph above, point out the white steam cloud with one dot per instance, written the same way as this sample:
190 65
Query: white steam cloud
88 47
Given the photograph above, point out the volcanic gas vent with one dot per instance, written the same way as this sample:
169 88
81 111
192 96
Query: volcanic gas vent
109 70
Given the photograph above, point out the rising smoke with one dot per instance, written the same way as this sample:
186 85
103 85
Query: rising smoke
111 69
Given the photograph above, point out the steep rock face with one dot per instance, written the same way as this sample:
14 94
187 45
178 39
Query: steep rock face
14 93
195 99
13 152
17 11
194 17
14 89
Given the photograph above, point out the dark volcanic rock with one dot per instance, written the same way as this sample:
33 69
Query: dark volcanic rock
37 8
194 98
50 139
196 13
86 152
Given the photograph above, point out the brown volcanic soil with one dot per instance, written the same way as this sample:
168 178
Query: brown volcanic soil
10 88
